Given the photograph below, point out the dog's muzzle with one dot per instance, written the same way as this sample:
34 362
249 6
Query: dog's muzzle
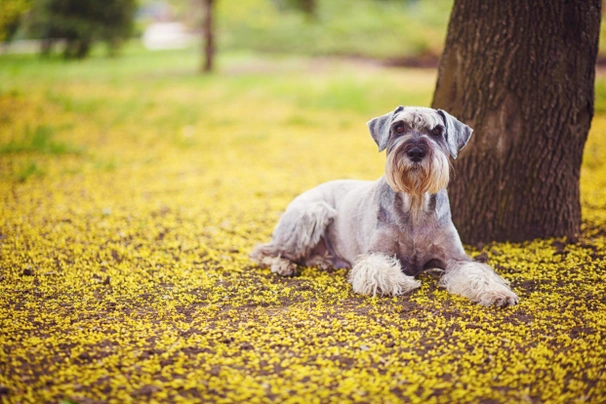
417 152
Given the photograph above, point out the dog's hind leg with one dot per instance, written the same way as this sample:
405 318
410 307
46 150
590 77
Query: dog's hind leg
298 231
325 257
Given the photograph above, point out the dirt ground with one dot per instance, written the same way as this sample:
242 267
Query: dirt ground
130 202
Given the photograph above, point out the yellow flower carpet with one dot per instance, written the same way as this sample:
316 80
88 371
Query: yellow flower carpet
132 191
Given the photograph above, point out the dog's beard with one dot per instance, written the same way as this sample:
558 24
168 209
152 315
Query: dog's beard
429 175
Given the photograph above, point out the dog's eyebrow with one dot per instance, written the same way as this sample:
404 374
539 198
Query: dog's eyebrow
400 122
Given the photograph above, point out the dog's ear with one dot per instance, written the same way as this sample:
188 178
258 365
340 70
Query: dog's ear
457 133
380 127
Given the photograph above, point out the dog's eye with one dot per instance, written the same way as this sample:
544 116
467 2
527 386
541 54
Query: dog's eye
437 131
400 128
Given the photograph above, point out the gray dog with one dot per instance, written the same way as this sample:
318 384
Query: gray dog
391 229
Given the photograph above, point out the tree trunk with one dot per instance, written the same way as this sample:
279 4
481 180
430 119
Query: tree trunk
46 46
83 48
521 73
309 7
209 47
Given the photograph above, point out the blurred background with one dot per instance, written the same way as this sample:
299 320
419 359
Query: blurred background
394 31
177 70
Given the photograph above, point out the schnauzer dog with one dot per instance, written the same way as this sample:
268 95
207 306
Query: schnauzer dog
391 229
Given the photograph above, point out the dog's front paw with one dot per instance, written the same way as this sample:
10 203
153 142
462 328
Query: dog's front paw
278 265
378 274
506 299
493 295
479 283
283 267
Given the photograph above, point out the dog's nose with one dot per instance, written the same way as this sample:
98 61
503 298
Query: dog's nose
416 154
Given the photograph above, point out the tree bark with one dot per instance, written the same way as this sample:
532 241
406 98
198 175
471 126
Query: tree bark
209 47
521 73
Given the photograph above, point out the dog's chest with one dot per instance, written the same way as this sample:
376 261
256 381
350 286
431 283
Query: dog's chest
415 237
418 251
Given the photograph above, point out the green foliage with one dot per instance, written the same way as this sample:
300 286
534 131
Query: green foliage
10 14
82 23
369 28
308 7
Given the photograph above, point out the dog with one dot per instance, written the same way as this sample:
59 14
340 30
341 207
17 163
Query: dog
390 230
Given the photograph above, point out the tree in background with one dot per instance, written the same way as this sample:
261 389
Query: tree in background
209 38
522 75
10 14
308 7
82 23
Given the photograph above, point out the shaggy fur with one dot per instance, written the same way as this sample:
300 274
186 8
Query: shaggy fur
479 283
430 176
301 226
377 274
391 229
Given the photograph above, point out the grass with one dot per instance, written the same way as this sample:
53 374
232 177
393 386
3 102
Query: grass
38 140
29 170
124 273
340 27
391 30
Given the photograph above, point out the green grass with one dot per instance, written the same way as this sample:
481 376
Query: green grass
30 170
378 29
136 76
369 28
38 140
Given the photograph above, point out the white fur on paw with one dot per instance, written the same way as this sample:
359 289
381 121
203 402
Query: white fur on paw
281 266
479 283
278 265
319 262
378 274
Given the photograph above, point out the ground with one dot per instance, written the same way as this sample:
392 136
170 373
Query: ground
133 189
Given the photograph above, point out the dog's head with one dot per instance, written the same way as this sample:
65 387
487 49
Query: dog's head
418 141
